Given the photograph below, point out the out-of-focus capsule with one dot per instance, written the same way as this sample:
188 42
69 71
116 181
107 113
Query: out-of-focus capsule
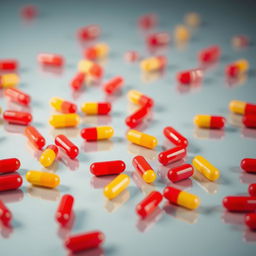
249 121
242 107
63 106
29 11
240 203
96 108
209 54
34 136
116 186
64 211
240 41
139 98
175 137
192 76
206 168
17 117
192 19
131 56
249 165
9 165
250 220
172 155
147 21
85 241
68 146
8 64
77 81
181 198
48 156
158 39
181 172
149 204
97 51
137 117
64 120
141 139
252 189
17 96
107 168
5 213
181 33
113 85
43 179
153 63
49 59
10 181
90 68
89 32
207 121
97 133
144 169
236 68
9 80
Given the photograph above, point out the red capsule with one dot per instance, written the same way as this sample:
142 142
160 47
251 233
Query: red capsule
89 32
5 214
64 211
63 142
17 117
35 137
149 204
29 11
158 39
17 96
181 172
175 137
250 220
49 59
248 165
137 117
85 241
8 64
147 21
107 168
192 76
9 165
172 155
10 181
113 85
249 121
77 81
240 203
252 189
210 54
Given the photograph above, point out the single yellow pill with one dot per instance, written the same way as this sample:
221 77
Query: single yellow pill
64 120
9 80
192 19
48 156
182 34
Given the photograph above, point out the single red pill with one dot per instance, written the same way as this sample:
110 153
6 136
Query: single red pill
249 121
9 165
113 85
172 155
240 203
69 147
49 59
89 32
209 54
250 220
29 11
147 21
192 76
137 117
8 65
10 181
17 96
107 168
17 117
181 172
35 137
5 214
77 81
248 165
158 39
175 137
85 241
252 189
149 204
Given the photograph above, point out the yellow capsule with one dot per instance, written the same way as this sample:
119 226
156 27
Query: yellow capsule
192 19
48 156
56 103
104 132
0 110
142 139
150 64
237 106
43 179
134 96
243 65
188 200
90 108
202 121
64 120
149 176
84 65
182 34
206 168
116 186
9 80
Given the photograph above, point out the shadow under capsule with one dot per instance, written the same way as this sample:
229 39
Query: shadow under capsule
138 150
12 196
101 182
142 185
44 193
200 133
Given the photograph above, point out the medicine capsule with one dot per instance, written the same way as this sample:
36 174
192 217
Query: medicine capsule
181 33
192 19
209 54
249 121
17 96
34 136
242 107
97 51
85 241
64 211
158 39
240 203
139 98
172 155
147 21
90 68
175 137
113 85
116 186
206 168
181 172
236 68
10 181
248 165
64 120
107 168
17 117
96 108
250 220
141 139
8 64
77 81
29 11
181 198
49 59
9 165
149 204
252 189
5 213
43 179
131 56
9 80
63 106
144 169
89 32
192 76
137 117
207 121
153 63
97 133
69 147
240 41
48 156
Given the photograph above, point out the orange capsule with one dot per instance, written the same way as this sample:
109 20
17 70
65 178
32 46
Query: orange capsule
49 59
63 106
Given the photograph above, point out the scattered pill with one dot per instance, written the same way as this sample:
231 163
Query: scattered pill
250 220
153 63
63 106
137 117
237 68
139 98
242 107
49 59
249 165
96 108
192 76
34 137
181 33
5 214
77 81
240 203
192 19
90 68
8 65
29 11
97 51
181 172
10 181
64 120
17 96
209 54
252 189
113 85
17 117
249 121
158 39
9 165
172 155
9 80
48 156
240 41
207 121
175 137
141 139
90 32
147 21
68 146
131 56
107 168
97 133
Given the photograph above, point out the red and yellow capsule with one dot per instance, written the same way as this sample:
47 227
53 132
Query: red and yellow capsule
89 32
97 133
139 98
236 68
97 51
207 121
17 96
63 106
64 120
242 107
153 63
50 59
34 136
158 39
141 139
92 69
49 155
192 76
9 80
96 108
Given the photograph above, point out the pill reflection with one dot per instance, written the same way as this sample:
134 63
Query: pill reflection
209 133
233 218
64 231
101 182
96 120
247 178
93 252
248 133
12 196
14 106
6 230
138 150
72 164
44 193
71 132
13 128
142 185
249 236
96 146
